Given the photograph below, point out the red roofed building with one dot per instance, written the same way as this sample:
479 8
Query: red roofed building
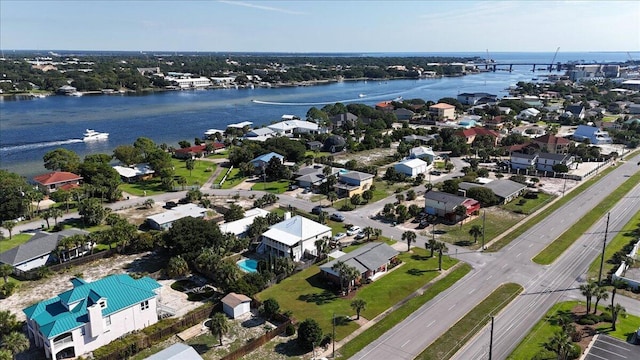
552 144
190 152
471 134
443 110
57 180
385 106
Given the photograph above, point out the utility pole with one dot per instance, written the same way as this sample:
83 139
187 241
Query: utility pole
491 340
484 221
334 335
604 245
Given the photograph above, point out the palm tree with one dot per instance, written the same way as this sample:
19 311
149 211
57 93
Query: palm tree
587 290
442 248
55 214
409 237
46 215
460 212
182 181
340 267
617 284
629 261
600 293
358 305
321 246
377 233
616 311
560 344
190 164
432 245
9 225
219 325
368 231
475 231
5 271
351 275
15 342
332 196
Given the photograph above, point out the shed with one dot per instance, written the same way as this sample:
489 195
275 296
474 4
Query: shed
236 305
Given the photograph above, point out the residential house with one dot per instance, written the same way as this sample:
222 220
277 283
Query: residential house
424 140
190 152
177 351
163 221
294 237
239 227
423 153
40 250
476 98
443 111
262 160
412 167
236 305
66 90
593 134
385 106
528 114
314 145
92 314
471 134
403 114
443 204
313 176
505 190
353 182
53 181
264 132
291 127
342 119
519 160
552 144
546 161
577 111
371 261
334 143
495 123
135 173
634 109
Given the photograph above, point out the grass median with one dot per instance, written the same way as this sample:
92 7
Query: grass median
394 318
628 234
457 335
564 241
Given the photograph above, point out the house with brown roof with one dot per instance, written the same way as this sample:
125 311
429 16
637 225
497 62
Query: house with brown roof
471 134
443 111
552 144
495 123
190 152
236 305
57 180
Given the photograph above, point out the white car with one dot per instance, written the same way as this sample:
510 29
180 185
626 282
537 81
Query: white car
353 230
339 236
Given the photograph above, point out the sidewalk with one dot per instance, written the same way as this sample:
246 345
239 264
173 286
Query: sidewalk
327 353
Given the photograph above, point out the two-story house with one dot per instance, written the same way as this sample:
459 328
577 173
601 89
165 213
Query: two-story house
443 111
53 181
443 205
293 237
353 182
546 161
92 314
523 161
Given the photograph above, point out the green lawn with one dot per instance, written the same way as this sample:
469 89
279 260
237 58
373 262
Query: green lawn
275 187
316 154
307 295
219 155
198 176
234 178
457 335
628 233
610 118
392 319
530 206
495 224
16 239
382 190
558 246
532 344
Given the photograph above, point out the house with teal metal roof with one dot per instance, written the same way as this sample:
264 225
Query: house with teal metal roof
92 314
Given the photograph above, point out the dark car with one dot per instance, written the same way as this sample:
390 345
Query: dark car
316 210
170 205
337 217
293 187
436 172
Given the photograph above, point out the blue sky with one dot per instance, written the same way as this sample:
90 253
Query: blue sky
320 26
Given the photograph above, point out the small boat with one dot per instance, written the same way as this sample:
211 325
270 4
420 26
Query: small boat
362 95
75 93
92 135
398 99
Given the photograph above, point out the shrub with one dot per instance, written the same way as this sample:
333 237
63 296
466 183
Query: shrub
522 202
7 289
586 321
290 330
605 317
347 206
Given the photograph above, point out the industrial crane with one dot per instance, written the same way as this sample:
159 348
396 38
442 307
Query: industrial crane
554 59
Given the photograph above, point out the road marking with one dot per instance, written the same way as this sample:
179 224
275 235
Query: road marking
405 343
518 255
471 292
489 277
504 266
431 323
608 351
530 245
452 306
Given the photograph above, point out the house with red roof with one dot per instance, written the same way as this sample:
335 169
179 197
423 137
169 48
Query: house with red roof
552 144
471 134
196 151
56 180
443 110
385 106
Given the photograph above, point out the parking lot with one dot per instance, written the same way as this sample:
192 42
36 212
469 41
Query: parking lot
608 348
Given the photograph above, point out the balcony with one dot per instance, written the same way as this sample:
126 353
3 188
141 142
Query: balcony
60 342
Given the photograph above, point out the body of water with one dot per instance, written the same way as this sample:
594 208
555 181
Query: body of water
29 128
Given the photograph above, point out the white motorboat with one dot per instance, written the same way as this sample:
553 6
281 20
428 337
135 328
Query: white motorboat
362 95
92 135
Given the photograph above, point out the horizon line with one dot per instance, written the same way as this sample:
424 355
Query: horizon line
317 52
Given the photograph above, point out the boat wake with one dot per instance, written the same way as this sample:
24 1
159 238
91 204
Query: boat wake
38 145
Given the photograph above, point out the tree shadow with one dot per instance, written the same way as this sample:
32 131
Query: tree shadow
319 298
420 257
202 348
253 322
290 348
463 243
418 272
149 263
317 281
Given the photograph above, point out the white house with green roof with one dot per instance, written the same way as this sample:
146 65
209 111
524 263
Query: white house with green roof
92 314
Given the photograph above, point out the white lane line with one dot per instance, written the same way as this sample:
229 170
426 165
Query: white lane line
405 343
518 255
471 292
431 323
452 306
504 266
488 278
530 245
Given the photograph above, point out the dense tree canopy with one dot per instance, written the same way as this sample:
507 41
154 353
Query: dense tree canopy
12 192
61 160
188 236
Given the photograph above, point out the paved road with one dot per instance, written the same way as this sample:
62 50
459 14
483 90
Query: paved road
544 285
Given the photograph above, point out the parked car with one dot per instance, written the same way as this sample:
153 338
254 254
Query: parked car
339 236
337 217
360 235
306 191
316 210
293 187
170 205
353 230
436 172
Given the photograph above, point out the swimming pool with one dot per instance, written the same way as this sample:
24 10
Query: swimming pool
248 265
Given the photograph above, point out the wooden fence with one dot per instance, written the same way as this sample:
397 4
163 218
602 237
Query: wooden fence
36 273
256 343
